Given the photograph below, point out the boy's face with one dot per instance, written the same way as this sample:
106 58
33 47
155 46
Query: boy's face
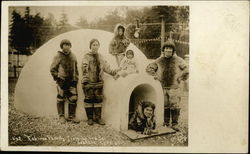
168 52
120 31
130 56
148 112
95 46
66 47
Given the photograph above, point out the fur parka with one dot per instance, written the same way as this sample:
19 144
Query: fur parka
169 71
118 44
64 66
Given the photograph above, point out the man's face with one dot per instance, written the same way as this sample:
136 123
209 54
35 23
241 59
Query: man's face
66 47
95 46
120 31
168 52
148 112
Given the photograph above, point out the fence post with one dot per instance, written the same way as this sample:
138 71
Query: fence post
162 30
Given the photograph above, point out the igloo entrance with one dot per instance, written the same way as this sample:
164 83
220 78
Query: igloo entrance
144 92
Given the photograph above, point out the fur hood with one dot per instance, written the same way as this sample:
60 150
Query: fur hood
65 53
116 29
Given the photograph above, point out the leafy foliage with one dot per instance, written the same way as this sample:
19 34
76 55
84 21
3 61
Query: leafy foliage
29 32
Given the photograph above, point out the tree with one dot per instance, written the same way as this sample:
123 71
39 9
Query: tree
48 28
172 14
17 32
63 25
109 22
82 23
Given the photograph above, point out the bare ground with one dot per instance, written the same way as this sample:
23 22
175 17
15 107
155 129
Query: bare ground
26 130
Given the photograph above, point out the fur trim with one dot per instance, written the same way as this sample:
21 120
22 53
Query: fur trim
168 70
116 29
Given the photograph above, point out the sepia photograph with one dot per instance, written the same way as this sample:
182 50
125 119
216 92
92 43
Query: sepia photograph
125 76
98 75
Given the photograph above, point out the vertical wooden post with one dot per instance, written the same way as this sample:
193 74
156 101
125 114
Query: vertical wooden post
162 30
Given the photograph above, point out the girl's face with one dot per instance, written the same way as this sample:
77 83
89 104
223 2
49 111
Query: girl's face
130 56
95 46
120 31
168 52
148 112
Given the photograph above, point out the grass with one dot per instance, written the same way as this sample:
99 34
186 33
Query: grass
26 130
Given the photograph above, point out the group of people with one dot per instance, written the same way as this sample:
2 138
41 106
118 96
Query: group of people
169 69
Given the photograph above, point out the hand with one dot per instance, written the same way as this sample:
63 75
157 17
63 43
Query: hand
146 131
156 78
61 83
124 74
116 77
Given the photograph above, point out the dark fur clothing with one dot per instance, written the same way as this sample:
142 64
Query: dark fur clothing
169 70
119 43
64 66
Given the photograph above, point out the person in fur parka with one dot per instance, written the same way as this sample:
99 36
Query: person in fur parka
143 119
169 69
93 67
64 71
119 43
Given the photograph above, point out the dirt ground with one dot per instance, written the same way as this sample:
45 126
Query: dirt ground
25 129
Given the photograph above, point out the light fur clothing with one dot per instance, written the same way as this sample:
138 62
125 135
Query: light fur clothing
128 66
89 68
93 66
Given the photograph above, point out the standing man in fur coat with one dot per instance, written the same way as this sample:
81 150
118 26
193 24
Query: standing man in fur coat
64 71
119 43
169 69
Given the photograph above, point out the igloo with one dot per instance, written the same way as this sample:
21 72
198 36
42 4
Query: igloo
35 91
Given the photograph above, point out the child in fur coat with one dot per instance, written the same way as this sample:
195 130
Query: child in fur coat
128 65
119 43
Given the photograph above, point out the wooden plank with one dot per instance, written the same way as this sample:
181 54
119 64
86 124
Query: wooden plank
133 135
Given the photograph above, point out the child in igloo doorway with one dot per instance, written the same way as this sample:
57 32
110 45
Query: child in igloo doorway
127 66
143 120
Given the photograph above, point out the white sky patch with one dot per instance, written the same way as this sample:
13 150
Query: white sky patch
91 13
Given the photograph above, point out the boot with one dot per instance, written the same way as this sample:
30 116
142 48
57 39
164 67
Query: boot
89 112
72 113
166 117
98 113
60 108
175 116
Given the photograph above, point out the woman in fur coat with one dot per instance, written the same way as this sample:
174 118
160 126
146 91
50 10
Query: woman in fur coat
93 66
